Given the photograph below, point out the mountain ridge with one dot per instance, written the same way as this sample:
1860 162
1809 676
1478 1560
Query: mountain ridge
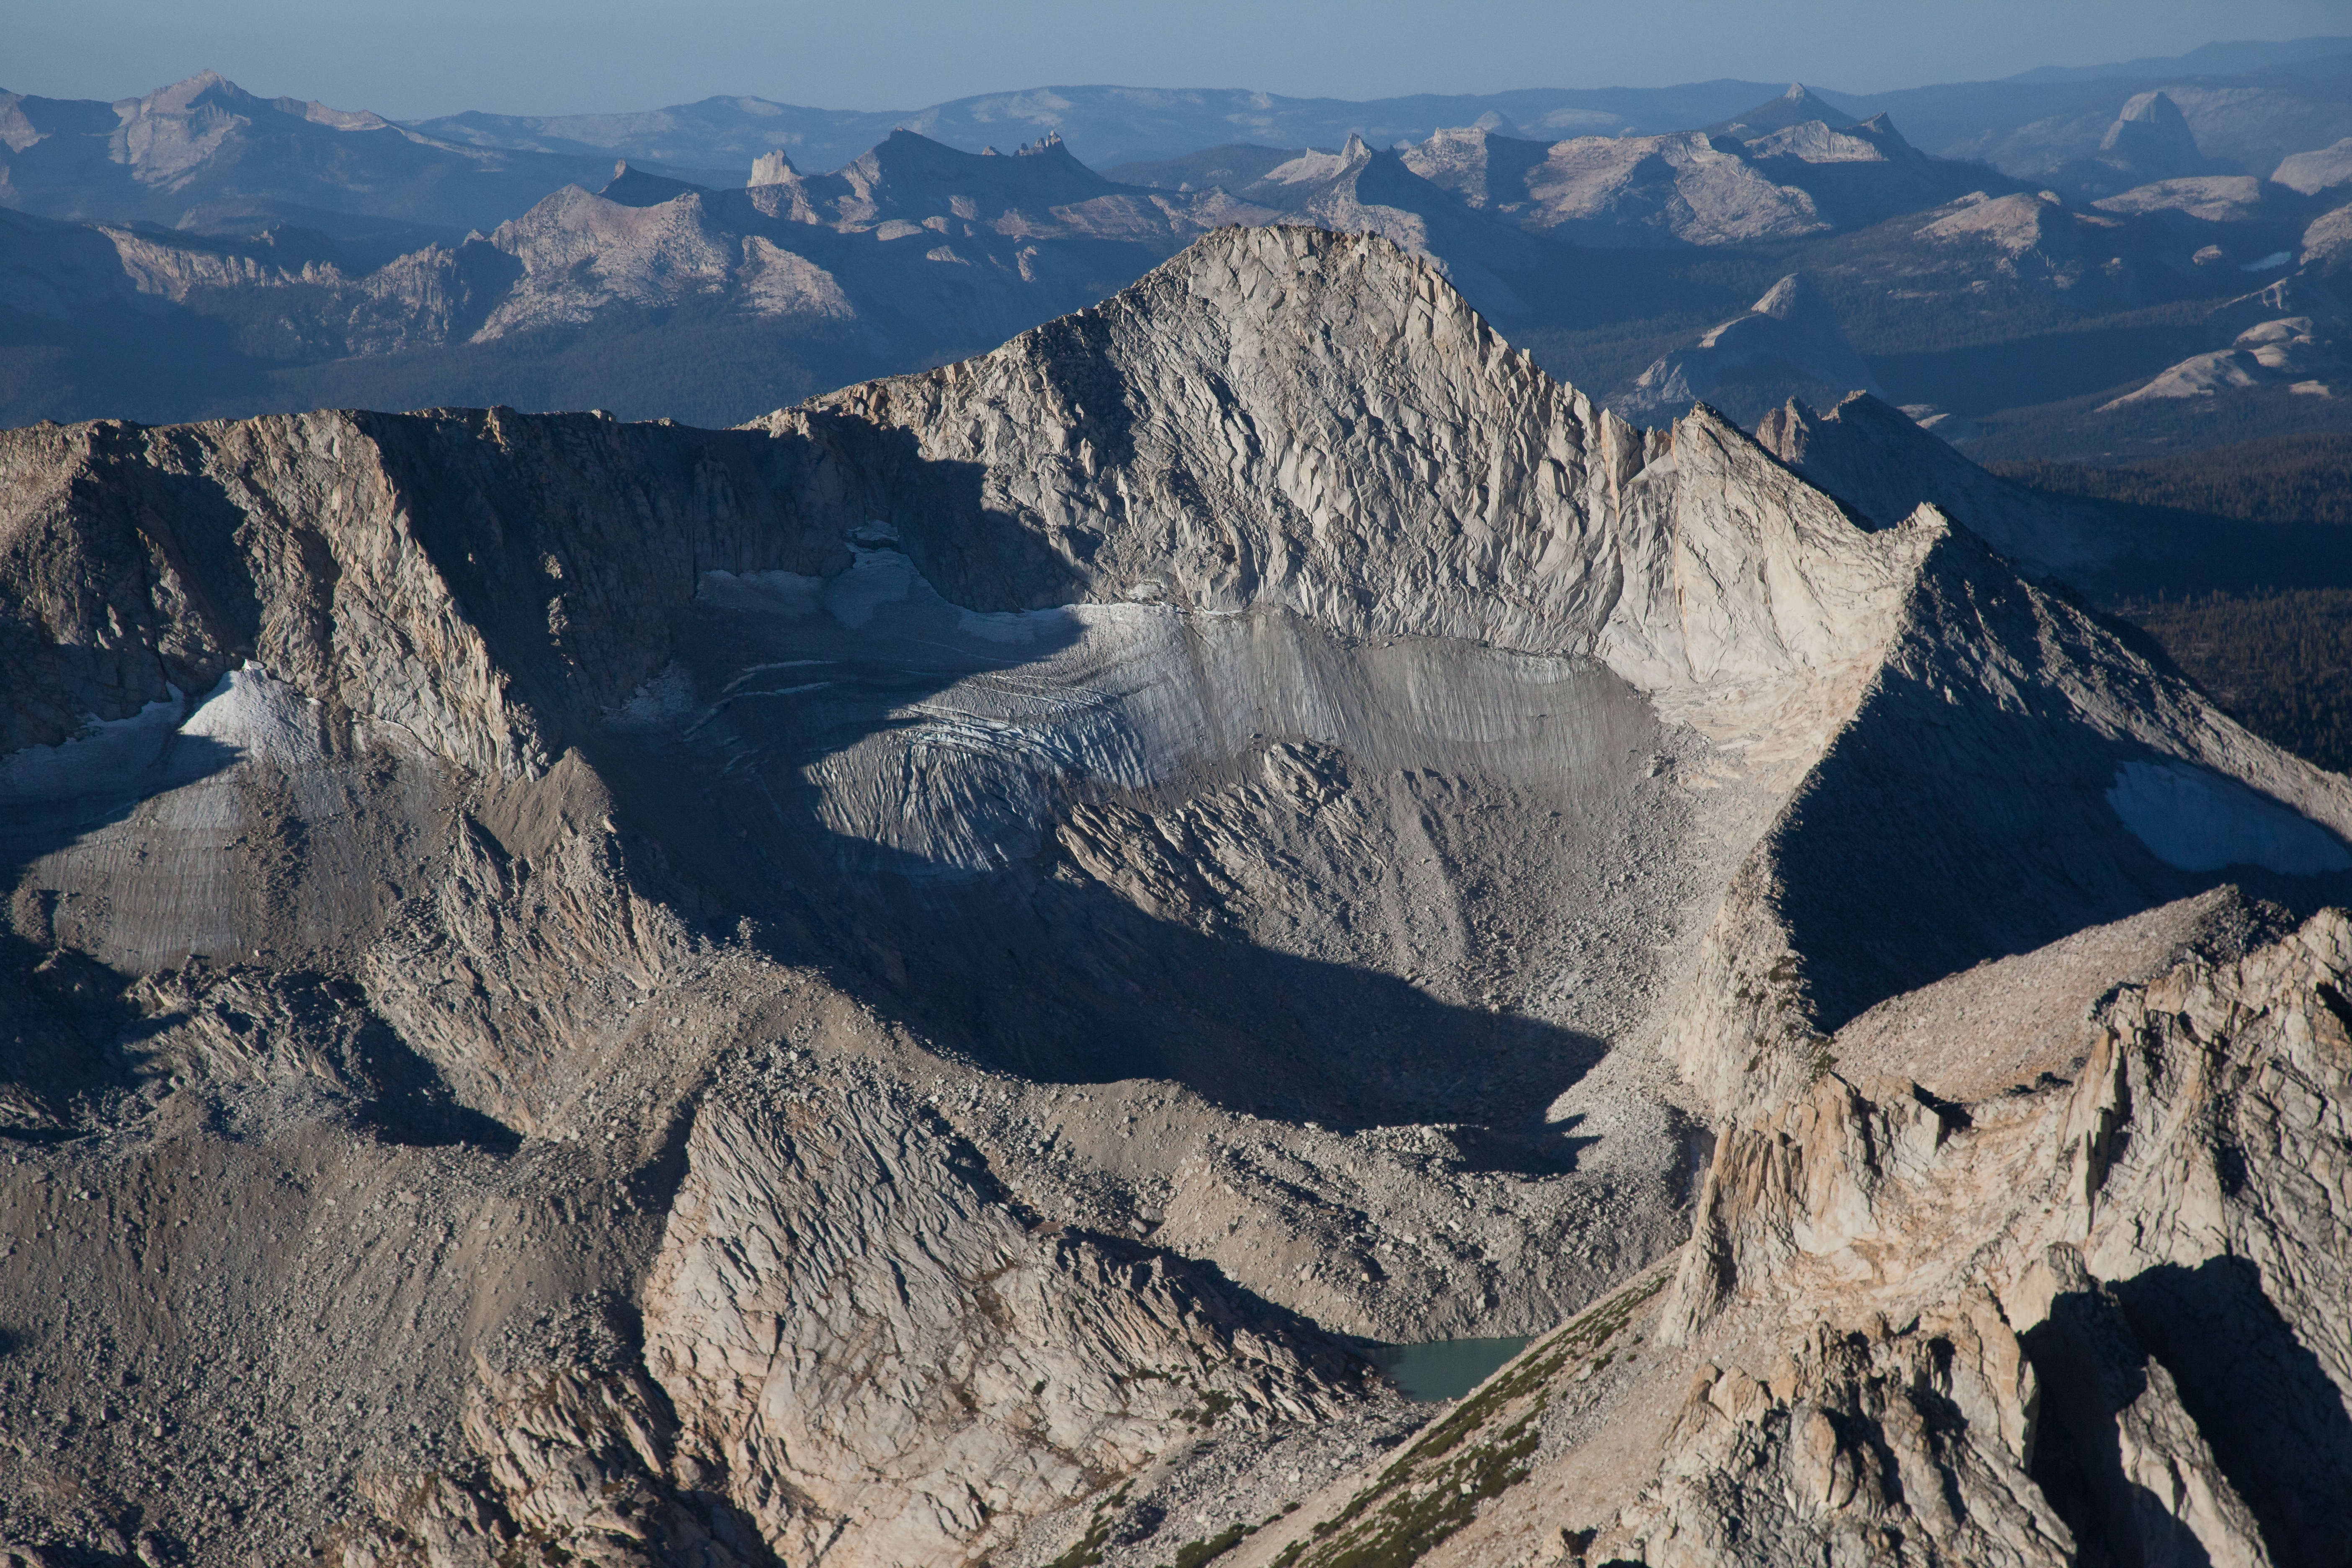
204 153
1428 836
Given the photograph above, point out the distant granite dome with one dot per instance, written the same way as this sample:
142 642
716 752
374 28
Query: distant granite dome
1793 107
2151 137
1790 334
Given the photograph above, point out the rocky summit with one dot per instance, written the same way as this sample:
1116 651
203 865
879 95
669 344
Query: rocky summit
920 980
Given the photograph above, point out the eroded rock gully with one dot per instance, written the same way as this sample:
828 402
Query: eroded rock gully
2094 1314
904 984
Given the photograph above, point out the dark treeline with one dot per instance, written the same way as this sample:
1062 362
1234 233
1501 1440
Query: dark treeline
2281 479
2279 663
2250 601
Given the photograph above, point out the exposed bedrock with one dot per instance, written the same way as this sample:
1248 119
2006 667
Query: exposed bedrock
892 985
2047 1265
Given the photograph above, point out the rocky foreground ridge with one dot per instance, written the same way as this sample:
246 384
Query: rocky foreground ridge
908 984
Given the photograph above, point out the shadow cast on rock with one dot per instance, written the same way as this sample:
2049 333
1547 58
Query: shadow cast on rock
1023 967
1038 970
67 1018
2275 1421
2092 1370
1946 828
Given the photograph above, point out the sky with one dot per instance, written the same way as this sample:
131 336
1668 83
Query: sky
418 58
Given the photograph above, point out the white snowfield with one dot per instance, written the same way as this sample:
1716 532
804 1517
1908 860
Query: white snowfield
2199 821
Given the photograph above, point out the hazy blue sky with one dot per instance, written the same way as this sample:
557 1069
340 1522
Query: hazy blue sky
411 58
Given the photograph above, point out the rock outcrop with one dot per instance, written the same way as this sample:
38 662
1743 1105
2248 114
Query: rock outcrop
2322 169
2206 198
2151 139
1879 462
2287 334
1638 191
1789 337
204 155
886 983
1779 172
1965 1297
924 1365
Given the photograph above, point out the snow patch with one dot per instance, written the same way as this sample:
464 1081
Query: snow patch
664 699
1061 621
2201 821
259 716
95 762
250 714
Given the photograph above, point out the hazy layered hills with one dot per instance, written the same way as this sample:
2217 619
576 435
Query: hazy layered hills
2250 103
731 297
1106 125
912 251
1734 185
666 292
206 155
897 984
2251 122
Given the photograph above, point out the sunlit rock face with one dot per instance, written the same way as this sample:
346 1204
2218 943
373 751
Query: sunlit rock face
911 980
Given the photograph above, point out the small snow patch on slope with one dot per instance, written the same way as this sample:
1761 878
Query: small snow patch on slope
101 755
2201 821
259 716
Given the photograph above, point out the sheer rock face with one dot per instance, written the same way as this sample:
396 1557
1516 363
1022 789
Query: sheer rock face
1880 463
2025 1323
2123 1159
1789 335
893 1364
1347 438
142 549
336 550
1250 761
1361 448
1690 566
2151 138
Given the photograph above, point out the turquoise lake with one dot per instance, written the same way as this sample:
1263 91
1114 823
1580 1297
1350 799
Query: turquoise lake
1444 1369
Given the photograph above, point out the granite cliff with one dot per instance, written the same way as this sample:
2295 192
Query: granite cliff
909 982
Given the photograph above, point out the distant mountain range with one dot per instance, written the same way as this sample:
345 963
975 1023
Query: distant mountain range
2209 59
1108 126
206 155
912 253
2021 124
202 251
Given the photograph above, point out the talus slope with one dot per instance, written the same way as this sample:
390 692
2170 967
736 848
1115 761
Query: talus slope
1246 816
